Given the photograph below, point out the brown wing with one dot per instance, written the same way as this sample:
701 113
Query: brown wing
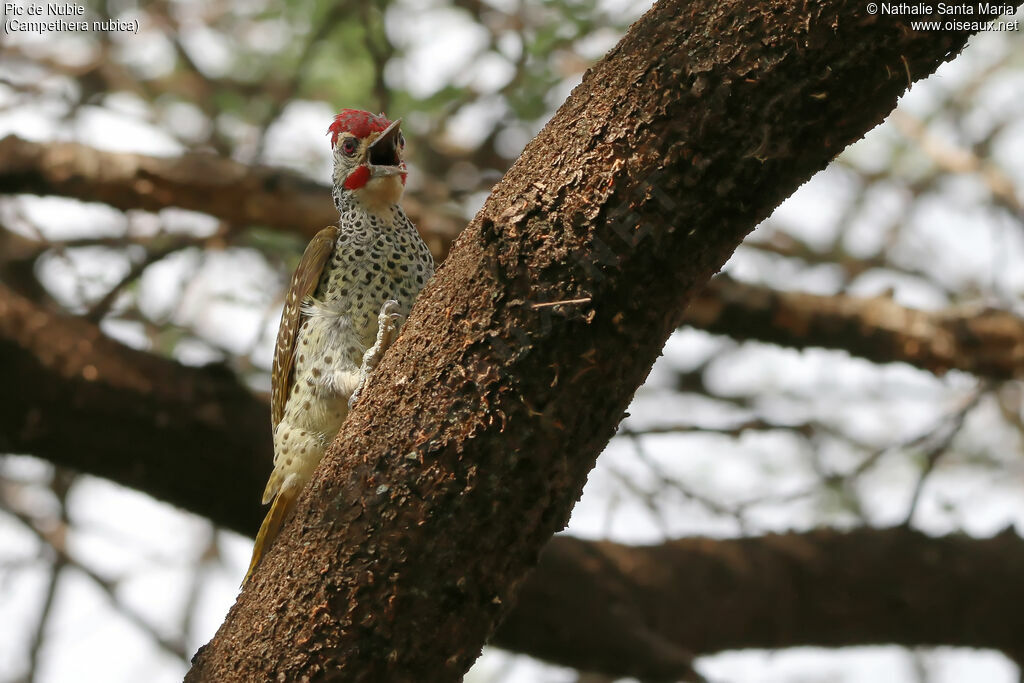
304 283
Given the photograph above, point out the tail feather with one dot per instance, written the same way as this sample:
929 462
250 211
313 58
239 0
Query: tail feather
284 501
273 486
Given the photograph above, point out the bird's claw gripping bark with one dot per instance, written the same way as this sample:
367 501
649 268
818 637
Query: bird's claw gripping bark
388 322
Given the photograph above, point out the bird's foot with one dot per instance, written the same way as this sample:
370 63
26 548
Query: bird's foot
388 322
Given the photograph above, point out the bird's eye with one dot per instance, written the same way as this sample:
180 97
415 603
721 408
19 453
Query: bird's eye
401 140
349 146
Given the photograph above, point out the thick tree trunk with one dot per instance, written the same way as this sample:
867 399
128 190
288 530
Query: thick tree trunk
179 433
476 437
986 343
89 403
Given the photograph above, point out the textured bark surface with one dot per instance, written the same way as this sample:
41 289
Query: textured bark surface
149 423
476 437
985 343
177 431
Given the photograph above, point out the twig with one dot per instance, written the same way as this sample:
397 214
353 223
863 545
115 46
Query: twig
99 309
935 452
335 14
107 587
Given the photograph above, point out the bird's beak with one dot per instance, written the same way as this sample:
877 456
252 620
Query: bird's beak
382 155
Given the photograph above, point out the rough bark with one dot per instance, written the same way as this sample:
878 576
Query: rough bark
473 442
604 607
57 415
166 447
985 342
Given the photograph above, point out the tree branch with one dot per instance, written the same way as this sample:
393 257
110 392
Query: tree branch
476 437
233 192
634 611
236 193
988 343
487 486
621 610
87 402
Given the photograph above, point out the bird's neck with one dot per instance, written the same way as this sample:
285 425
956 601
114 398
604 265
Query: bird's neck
380 196
354 208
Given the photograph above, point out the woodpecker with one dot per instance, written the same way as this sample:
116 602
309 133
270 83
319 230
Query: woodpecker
348 297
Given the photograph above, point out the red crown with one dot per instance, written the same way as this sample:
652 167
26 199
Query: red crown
358 122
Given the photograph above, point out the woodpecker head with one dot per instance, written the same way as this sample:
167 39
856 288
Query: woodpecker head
368 156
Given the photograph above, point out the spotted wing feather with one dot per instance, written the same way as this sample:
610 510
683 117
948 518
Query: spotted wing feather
304 283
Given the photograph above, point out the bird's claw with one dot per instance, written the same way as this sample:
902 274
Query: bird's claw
388 320
390 312
387 325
